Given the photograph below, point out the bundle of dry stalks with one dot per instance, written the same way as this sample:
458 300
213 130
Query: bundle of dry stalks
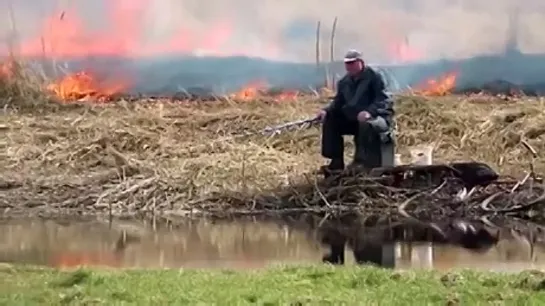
21 88
134 157
359 193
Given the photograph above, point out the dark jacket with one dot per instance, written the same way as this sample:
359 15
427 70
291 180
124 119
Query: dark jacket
364 92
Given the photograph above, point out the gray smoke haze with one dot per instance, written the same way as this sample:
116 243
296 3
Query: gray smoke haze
387 31
285 29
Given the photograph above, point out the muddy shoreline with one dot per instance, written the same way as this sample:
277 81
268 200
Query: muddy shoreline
351 210
425 193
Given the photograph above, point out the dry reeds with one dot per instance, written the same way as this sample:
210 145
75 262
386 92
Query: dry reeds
182 158
21 88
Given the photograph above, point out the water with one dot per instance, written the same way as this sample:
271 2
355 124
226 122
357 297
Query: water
234 245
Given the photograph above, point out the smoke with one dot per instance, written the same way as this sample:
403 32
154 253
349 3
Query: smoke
387 31
284 29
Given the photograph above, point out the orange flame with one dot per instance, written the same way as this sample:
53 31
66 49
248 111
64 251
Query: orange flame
65 34
250 91
288 95
438 87
402 52
83 86
258 89
6 69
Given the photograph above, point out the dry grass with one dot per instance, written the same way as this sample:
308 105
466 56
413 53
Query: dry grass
160 156
21 88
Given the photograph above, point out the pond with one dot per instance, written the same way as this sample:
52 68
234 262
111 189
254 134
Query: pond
233 244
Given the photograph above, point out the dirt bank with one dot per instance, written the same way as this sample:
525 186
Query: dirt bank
177 157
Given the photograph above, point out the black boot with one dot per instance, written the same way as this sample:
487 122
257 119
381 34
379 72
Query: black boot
358 162
368 151
336 165
336 254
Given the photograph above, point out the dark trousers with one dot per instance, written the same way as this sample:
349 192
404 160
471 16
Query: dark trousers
364 253
375 146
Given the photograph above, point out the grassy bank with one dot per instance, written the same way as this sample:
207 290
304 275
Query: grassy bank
276 286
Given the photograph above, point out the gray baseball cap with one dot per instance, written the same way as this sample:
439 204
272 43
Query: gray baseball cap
352 55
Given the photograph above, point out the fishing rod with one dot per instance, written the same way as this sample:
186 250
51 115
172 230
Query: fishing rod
268 131
299 124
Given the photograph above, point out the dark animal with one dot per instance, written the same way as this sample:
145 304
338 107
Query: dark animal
472 174
471 236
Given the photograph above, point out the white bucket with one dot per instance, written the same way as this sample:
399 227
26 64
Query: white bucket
422 155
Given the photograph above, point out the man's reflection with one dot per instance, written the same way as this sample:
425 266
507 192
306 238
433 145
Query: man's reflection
377 246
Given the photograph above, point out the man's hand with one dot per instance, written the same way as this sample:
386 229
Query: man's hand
363 116
321 115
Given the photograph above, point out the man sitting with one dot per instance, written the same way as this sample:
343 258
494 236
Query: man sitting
363 109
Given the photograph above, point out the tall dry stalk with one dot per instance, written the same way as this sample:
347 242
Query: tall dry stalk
318 26
332 52
20 86
318 57
13 29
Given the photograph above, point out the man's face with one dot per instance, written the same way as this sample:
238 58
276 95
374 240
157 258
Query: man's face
354 67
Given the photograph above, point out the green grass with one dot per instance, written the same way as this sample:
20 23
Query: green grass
275 286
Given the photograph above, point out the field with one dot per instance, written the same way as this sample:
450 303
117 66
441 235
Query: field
178 158
275 286
127 157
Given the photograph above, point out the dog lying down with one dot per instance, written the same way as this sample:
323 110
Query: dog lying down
474 174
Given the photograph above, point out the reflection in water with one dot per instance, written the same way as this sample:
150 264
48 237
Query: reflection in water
239 245
137 244
369 244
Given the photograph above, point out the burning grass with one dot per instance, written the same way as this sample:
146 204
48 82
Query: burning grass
20 88
25 88
179 157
